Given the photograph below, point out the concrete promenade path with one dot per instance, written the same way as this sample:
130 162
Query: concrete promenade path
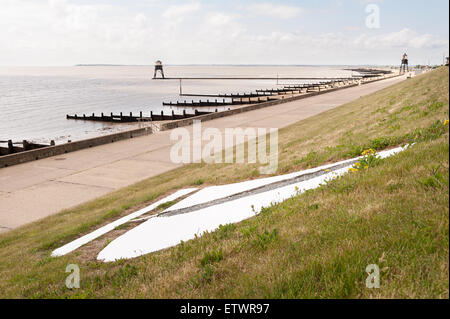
31 191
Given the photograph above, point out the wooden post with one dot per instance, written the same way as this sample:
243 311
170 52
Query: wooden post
25 145
10 147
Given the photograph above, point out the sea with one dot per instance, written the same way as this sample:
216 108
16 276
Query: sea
34 101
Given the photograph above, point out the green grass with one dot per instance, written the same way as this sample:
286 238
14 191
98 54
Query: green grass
315 245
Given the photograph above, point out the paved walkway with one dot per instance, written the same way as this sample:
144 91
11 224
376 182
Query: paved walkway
31 191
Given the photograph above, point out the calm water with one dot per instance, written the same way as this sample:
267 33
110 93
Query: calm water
34 101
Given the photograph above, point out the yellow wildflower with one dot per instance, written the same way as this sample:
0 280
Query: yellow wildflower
366 167
445 122
327 170
368 152
352 170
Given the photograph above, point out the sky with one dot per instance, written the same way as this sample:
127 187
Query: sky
300 32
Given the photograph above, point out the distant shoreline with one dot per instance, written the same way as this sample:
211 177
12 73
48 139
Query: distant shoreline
246 65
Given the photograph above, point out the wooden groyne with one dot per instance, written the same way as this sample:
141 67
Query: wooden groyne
230 95
233 102
266 95
12 147
233 99
121 118
367 72
264 92
265 78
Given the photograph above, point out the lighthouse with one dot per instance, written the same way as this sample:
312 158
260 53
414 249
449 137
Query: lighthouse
404 66
158 67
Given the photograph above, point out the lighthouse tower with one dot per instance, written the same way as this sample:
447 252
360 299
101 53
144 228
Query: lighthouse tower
404 66
158 67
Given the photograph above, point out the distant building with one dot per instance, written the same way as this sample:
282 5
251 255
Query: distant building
158 67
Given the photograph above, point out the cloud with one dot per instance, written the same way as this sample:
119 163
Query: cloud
275 10
180 11
58 32
221 28
219 19
405 38
64 32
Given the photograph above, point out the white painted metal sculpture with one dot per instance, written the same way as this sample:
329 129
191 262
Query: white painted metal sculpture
206 211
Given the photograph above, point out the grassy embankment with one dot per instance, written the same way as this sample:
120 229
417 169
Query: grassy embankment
318 244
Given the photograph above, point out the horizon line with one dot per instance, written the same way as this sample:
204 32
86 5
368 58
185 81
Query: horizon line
192 64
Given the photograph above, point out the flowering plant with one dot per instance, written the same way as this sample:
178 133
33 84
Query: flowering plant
369 159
